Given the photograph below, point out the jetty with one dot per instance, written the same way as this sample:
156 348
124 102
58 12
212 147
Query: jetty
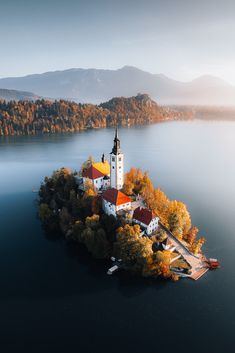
199 265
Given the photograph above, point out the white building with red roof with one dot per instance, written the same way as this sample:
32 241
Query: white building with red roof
114 200
146 219
94 175
98 173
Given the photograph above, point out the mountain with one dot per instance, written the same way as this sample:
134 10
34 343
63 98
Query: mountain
8 95
95 86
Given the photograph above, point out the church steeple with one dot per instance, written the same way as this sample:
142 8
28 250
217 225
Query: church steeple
116 144
116 164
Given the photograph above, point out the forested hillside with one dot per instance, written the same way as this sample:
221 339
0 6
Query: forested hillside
44 116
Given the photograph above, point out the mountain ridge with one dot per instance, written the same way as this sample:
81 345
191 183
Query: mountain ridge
99 85
10 94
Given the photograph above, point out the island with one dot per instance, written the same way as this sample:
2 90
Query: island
123 218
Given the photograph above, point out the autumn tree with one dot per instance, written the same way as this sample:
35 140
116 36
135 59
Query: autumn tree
160 205
197 245
93 221
77 232
89 189
133 179
95 239
178 218
133 249
174 224
87 164
65 219
190 237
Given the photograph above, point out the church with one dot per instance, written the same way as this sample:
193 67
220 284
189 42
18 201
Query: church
108 179
113 200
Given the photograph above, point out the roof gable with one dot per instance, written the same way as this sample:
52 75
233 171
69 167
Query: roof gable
103 167
143 215
116 197
92 173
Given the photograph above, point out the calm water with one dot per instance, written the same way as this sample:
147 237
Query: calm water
54 298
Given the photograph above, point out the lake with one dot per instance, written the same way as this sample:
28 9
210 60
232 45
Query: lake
56 298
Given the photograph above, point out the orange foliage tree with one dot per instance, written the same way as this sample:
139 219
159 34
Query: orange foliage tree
190 237
137 182
197 245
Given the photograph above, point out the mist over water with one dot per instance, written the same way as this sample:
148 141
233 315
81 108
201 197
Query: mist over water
56 298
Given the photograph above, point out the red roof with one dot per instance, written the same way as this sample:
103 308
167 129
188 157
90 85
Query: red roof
116 197
92 173
143 215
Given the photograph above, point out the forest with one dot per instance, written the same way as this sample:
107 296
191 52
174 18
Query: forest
49 117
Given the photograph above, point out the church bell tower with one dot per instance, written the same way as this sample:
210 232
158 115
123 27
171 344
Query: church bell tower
116 164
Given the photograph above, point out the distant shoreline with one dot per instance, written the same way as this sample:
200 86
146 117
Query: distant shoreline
194 119
208 112
44 116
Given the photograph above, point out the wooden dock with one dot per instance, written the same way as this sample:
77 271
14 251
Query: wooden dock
197 262
198 274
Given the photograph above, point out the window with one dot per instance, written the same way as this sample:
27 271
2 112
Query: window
113 159
113 166
120 159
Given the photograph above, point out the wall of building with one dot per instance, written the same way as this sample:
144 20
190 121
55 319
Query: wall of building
117 170
153 225
108 208
125 206
106 183
98 183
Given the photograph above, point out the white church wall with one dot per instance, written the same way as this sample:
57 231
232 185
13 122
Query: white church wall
108 208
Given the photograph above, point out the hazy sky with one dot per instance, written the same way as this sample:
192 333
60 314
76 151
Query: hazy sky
180 38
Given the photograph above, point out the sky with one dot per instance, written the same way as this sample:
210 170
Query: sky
182 39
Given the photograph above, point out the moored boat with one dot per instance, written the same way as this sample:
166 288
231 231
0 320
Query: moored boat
213 264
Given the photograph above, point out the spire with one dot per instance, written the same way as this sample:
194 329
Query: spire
116 143
116 133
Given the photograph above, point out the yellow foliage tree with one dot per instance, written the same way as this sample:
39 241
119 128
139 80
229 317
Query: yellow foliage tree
90 190
90 160
92 221
197 245
61 173
133 249
137 182
178 218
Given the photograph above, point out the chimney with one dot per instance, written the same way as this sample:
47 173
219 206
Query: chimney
102 158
